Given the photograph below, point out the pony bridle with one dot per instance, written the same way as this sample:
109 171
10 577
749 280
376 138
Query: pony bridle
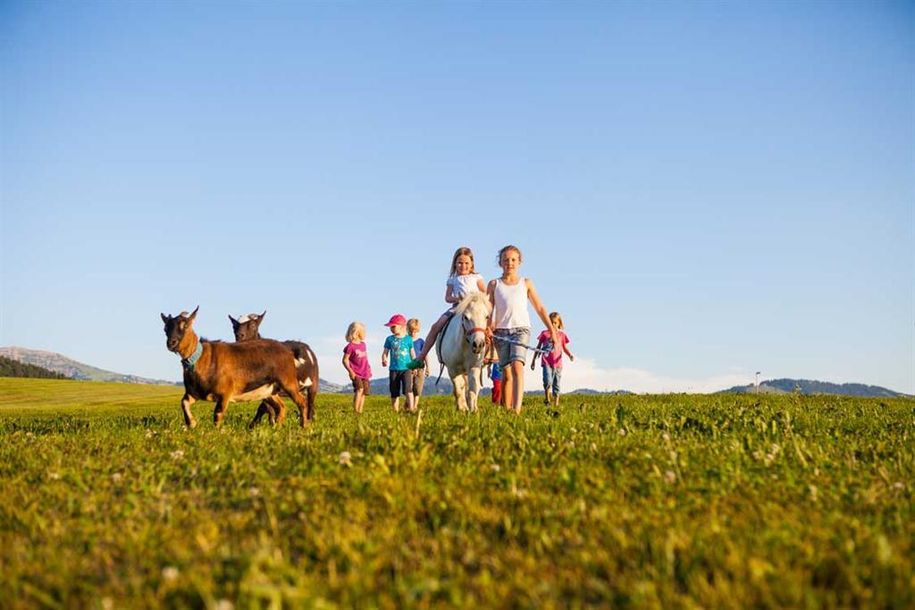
470 332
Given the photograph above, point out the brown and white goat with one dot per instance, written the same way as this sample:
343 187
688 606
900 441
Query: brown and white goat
230 372
247 328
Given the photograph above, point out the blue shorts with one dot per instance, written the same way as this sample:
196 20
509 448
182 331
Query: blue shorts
551 377
510 352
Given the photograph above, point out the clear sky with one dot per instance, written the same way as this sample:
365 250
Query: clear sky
703 190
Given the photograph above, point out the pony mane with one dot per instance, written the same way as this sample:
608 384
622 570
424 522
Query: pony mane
472 301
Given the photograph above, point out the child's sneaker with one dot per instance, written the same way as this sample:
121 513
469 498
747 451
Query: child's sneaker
415 364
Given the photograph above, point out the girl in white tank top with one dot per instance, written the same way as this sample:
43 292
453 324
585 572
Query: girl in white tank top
509 296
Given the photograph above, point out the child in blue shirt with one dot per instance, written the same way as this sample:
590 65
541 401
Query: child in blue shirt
400 347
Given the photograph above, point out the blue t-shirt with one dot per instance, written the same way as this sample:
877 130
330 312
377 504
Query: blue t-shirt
399 350
418 345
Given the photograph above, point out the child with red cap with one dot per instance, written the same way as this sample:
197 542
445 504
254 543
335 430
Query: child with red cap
400 346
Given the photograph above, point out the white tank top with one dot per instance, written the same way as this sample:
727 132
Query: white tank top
511 305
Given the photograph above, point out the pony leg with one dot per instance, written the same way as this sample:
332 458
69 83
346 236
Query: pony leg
460 391
473 388
186 401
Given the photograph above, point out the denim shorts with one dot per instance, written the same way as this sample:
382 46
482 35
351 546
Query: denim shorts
510 352
551 377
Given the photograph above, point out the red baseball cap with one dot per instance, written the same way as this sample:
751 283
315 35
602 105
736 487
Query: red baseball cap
397 320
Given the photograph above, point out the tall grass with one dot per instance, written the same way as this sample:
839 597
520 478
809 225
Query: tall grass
640 501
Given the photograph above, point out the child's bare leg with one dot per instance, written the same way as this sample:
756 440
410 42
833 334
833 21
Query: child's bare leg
508 391
430 338
411 402
395 404
357 401
517 369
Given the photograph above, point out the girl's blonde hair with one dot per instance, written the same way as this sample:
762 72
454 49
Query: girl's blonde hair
508 248
356 330
412 325
556 319
459 252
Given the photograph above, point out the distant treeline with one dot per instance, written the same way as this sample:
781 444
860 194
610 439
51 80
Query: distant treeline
14 368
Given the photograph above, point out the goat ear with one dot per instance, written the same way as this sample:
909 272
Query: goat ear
193 315
233 321
263 314
165 318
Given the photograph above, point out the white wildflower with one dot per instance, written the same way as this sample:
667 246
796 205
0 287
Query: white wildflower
170 573
225 604
345 459
670 476
117 477
177 454
495 467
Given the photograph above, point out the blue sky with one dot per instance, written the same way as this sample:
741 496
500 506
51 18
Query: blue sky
703 190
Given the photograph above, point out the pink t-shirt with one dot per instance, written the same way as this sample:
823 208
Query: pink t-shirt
545 340
358 359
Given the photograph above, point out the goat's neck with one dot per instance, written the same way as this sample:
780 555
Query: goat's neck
188 344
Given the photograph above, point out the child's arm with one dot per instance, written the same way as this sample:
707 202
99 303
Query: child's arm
449 297
348 368
481 286
491 293
565 348
384 357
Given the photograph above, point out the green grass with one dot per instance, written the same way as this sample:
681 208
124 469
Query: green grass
638 502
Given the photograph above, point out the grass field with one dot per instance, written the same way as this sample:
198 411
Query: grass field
673 501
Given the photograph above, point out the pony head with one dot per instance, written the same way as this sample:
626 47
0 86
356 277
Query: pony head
475 310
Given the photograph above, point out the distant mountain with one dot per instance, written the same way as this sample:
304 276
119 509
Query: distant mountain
806 386
14 368
71 368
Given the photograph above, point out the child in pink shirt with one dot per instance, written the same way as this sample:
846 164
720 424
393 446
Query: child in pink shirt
356 363
552 361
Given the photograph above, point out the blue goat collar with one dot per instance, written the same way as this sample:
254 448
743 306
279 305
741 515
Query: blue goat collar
189 362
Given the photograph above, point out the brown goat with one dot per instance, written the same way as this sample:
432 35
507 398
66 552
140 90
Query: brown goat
230 372
247 328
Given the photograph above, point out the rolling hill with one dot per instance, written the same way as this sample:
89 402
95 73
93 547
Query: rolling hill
807 386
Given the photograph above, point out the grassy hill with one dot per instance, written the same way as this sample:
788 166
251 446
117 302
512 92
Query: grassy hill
667 501
14 368
812 387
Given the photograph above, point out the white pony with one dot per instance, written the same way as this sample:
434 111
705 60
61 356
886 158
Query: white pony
461 346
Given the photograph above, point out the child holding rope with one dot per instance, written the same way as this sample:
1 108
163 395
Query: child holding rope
463 280
552 362
511 323
356 363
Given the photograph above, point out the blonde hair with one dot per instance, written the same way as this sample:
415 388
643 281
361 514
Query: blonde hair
508 248
556 319
463 250
412 325
355 331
